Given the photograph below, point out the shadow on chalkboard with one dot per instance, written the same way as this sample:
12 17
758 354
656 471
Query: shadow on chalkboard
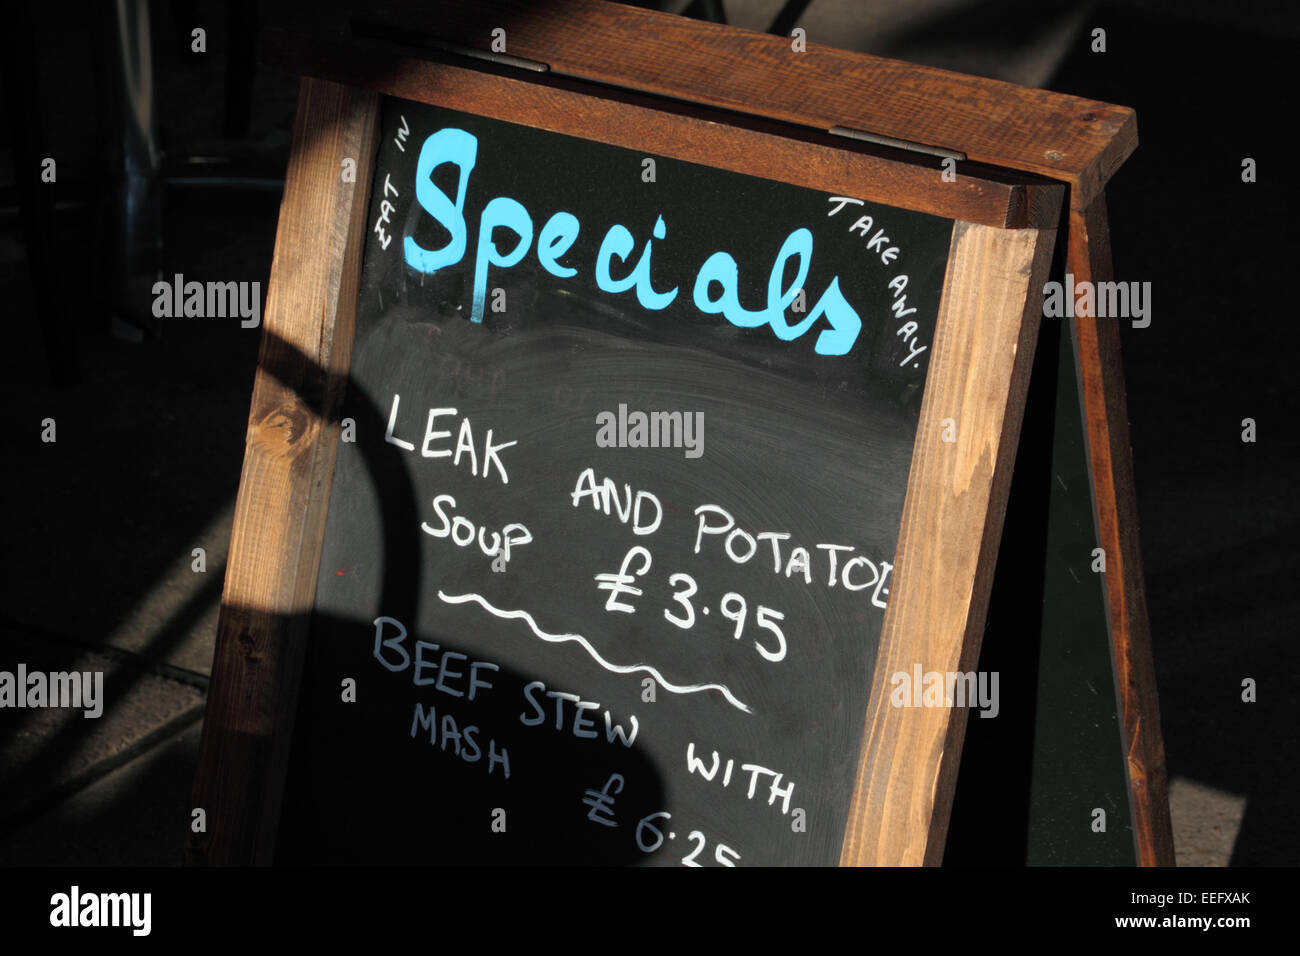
365 784
368 784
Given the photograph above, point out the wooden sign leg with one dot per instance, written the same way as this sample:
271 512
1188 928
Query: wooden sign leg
288 466
1101 377
898 815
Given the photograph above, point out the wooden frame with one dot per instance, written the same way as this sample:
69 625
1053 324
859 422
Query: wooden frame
1001 246
284 486
1101 378
956 493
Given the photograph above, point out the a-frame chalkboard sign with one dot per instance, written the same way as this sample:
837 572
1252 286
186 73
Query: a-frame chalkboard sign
631 441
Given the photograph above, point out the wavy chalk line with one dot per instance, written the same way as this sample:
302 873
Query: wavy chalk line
586 645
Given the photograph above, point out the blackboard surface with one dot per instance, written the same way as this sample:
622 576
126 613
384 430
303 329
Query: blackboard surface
805 433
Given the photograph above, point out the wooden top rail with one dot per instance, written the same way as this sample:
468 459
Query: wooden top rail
1067 138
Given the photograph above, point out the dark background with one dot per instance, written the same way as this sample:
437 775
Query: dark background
151 415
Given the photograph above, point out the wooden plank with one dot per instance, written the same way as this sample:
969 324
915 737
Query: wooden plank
1076 140
989 197
1105 407
288 466
948 542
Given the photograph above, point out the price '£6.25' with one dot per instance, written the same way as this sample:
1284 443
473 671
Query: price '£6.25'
650 838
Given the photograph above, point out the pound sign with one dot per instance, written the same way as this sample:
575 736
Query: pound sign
602 802
617 584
